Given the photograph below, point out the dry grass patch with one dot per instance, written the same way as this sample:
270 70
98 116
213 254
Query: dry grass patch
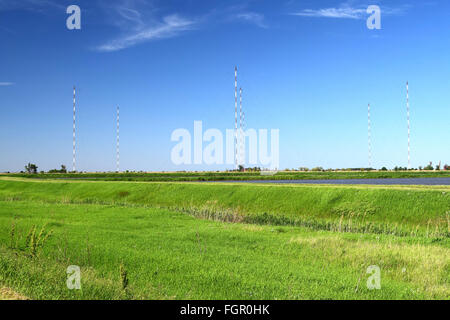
425 266
8 294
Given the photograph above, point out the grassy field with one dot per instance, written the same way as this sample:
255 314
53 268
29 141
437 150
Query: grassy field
223 241
237 176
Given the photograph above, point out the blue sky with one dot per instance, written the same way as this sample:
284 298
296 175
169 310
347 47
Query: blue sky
307 68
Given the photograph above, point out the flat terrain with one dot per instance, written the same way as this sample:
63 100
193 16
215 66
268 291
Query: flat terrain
223 240
387 181
237 176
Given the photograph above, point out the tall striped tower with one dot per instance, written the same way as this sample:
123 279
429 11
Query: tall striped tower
409 127
243 139
118 142
241 130
369 135
74 127
235 121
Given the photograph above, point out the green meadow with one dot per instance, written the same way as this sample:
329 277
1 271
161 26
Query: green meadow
187 240
237 176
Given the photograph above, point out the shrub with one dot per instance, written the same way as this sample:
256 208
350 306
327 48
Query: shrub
429 166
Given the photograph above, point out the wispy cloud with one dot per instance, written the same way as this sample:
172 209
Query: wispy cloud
346 11
6 84
170 26
140 21
342 12
127 14
252 17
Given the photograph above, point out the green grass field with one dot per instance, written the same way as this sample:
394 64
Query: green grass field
223 241
224 176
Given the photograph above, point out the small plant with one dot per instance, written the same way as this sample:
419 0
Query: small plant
12 234
30 235
448 221
88 251
201 247
35 241
123 194
123 276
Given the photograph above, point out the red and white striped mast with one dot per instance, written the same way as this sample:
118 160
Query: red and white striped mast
369 135
409 127
74 127
118 141
241 130
235 120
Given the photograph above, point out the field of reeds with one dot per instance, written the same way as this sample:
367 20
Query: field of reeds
135 240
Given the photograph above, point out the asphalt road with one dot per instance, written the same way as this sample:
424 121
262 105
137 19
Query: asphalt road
402 181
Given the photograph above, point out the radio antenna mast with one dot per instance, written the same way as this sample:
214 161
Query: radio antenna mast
409 127
74 128
241 130
235 120
118 142
369 132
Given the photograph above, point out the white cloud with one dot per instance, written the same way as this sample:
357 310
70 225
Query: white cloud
6 84
342 12
346 11
170 26
252 17
140 21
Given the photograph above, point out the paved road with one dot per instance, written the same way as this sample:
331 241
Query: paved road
402 181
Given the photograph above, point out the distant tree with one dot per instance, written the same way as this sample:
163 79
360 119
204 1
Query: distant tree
429 166
384 169
31 168
446 167
62 170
